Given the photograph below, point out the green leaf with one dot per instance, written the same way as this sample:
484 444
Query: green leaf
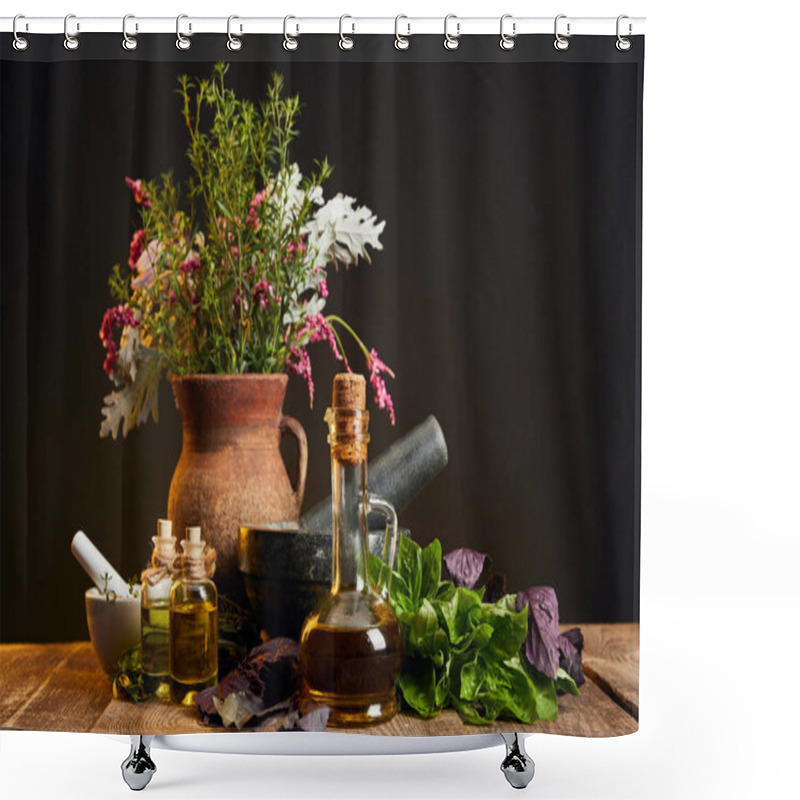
544 693
509 629
461 614
409 566
418 685
431 569
565 683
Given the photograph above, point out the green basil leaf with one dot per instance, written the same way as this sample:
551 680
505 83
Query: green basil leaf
409 566
431 572
565 683
545 694
461 614
509 629
418 686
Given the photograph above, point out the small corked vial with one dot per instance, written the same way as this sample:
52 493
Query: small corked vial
348 419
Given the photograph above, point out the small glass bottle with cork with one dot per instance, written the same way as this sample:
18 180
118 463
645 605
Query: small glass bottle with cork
351 646
193 622
156 585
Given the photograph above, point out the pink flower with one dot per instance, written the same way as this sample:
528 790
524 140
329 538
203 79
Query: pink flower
323 289
382 396
113 320
299 363
263 293
191 266
139 194
255 203
318 330
137 246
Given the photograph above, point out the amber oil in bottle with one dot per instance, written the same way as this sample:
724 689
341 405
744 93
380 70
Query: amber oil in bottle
156 584
351 646
192 624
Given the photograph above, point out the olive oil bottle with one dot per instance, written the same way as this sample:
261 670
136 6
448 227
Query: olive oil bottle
156 584
192 624
351 646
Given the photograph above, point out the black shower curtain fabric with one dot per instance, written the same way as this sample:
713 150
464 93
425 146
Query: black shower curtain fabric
506 298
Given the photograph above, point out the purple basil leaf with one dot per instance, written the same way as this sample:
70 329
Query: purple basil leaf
571 645
541 643
465 566
495 588
570 660
204 700
270 670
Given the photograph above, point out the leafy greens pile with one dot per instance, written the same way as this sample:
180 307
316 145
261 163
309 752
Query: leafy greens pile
487 660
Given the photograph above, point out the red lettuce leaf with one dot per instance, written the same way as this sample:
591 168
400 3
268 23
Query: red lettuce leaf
465 566
541 643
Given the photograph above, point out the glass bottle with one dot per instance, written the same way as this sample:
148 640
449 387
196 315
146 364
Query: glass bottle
156 585
192 624
351 645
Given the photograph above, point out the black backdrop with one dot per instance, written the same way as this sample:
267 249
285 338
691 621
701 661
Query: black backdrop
507 297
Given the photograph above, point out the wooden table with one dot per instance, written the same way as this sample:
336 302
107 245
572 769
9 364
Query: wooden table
60 687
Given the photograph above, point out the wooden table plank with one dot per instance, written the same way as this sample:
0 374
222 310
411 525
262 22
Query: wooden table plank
611 659
62 688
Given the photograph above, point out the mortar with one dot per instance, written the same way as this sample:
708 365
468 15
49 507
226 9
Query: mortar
286 570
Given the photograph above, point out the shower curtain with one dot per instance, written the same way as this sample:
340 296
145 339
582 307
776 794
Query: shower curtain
493 276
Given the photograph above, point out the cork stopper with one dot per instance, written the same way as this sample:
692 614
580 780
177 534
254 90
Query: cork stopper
349 392
193 545
164 529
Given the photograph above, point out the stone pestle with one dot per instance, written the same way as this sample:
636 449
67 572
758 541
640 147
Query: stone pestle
398 474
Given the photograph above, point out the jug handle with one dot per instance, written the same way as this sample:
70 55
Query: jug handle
390 538
292 426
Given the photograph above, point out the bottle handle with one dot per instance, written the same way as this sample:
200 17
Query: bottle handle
384 507
292 426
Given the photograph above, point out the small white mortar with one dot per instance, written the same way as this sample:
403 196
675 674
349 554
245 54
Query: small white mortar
114 626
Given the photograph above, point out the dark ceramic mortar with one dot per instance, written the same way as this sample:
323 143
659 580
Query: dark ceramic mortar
286 571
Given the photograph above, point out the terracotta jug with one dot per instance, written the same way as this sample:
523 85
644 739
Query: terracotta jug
230 470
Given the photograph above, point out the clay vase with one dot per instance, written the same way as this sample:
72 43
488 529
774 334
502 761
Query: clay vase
230 471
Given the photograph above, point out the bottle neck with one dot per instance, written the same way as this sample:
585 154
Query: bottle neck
348 439
349 484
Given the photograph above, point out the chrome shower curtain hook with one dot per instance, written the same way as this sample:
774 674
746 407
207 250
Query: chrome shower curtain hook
451 42
182 42
70 42
289 42
346 42
507 42
561 42
20 42
623 44
234 42
401 42
129 42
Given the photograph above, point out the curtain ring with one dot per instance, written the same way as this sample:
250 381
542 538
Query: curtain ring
507 42
289 42
451 42
20 42
401 42
234 42
70 42
182 42
129 42
623 44
346 42
561 42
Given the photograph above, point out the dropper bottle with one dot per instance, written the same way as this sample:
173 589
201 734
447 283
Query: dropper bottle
193 622
156 584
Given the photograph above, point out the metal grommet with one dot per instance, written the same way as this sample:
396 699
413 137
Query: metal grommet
401 42
451 42
346 42
561 42
182 42
289 43
234 42
129 42
507 42
20 42
623 44
70 42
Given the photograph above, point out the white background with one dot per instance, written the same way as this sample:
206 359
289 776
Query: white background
720 449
